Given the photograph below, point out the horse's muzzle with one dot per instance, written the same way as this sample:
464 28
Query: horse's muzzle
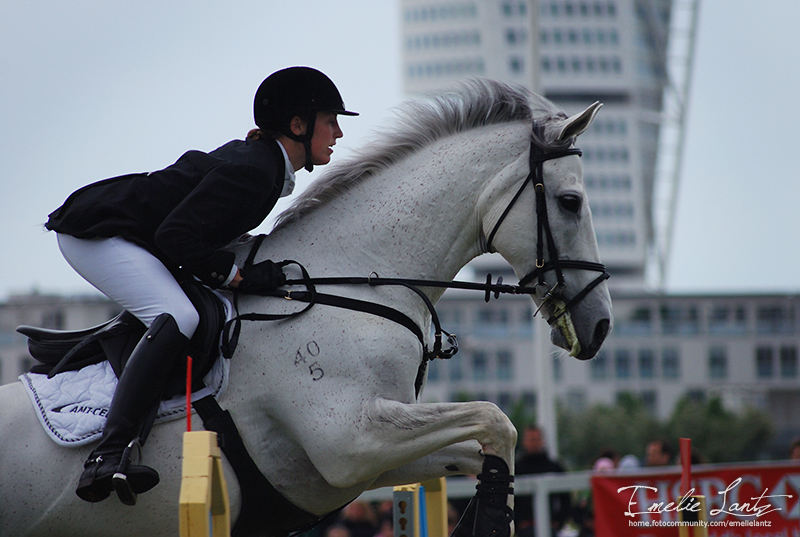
601 330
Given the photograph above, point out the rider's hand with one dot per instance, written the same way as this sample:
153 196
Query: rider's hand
261 278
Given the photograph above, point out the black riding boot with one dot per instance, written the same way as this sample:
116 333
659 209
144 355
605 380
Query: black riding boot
138 391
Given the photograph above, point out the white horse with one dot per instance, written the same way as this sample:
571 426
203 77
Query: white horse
326 402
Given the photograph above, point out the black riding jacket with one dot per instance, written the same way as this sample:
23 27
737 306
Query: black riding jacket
185 213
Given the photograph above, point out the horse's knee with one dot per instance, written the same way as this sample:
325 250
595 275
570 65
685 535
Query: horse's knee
500 435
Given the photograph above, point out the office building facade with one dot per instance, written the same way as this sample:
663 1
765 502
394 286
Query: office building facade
573 52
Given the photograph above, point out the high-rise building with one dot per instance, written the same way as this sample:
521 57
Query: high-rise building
573 52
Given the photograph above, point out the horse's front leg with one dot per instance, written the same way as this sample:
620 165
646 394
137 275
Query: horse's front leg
491 511
458 459
390 434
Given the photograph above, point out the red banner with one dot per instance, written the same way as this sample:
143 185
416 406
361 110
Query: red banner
742 501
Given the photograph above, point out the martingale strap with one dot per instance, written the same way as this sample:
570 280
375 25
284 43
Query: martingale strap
262 505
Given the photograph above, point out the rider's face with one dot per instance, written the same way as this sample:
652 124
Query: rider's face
326 132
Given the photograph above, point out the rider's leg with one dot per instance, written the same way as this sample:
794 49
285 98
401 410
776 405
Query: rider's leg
140 283
139 389
132 277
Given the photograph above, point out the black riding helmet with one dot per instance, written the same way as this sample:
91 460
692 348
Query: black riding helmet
296 91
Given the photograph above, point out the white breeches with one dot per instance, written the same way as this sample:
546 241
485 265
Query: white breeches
132 277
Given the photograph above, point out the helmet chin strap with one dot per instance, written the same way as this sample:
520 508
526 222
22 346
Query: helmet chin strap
305 138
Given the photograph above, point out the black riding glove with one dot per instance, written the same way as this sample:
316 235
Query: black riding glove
261 278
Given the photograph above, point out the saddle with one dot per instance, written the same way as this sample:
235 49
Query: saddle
63 350
58 351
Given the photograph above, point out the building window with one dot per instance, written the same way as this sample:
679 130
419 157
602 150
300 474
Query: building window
504 401
718 363
505 365
726 320
455 370
649 400
511 37
775 320
572 36
53 319
788 359
435 370
678 320
516 64
670 364
647 364
598 367
696 396
622 360
764 362
576 401
480 366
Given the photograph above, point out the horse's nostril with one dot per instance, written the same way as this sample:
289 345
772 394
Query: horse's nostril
600 332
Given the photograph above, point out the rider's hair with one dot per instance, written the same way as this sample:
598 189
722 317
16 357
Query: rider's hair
259 134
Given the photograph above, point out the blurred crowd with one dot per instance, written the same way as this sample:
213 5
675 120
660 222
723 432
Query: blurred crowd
571 515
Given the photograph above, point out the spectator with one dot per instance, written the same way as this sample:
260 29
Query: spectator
583 509
794 449
628 463
337 530
535 460
359 517
385 526
659 453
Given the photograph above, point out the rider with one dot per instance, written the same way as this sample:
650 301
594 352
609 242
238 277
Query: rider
136 236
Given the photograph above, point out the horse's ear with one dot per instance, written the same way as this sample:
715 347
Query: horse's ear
576 125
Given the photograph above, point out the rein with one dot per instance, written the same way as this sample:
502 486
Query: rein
541 290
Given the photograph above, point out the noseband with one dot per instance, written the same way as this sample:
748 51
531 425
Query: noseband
544 233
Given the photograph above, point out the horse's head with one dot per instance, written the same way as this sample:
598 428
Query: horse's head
542 225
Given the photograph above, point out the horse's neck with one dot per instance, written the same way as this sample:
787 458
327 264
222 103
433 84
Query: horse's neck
420 218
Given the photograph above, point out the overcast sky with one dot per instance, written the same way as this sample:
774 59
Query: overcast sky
93 89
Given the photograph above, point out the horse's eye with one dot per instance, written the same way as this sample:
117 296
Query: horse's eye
570 202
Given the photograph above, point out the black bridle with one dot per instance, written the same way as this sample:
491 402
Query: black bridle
541 290
544 234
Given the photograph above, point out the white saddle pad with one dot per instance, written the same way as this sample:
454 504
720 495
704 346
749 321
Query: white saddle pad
72 406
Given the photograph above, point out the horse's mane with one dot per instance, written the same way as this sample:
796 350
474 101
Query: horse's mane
474 103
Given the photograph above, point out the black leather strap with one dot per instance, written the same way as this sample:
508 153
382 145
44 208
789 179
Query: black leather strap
265 511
